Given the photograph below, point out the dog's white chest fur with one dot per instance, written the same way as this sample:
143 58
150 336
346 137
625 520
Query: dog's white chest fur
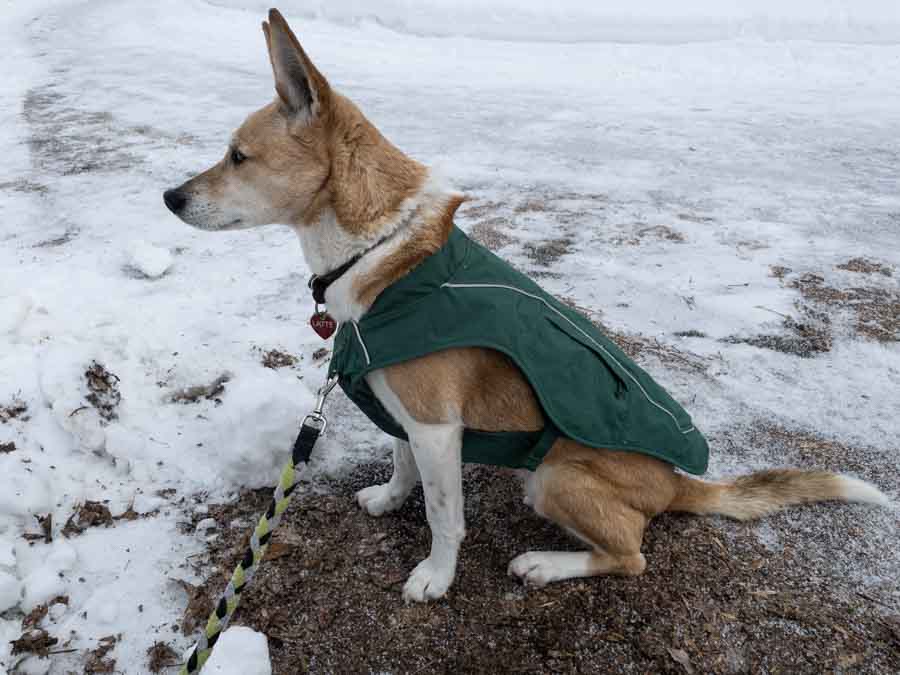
326 246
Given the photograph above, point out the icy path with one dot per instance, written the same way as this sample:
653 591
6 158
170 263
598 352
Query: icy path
664 181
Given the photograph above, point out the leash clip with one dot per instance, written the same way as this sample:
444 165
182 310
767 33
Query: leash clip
316 419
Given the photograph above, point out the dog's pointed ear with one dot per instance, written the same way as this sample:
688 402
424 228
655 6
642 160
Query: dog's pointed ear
300 86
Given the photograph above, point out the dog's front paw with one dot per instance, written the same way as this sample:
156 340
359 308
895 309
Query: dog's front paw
427 582
379 499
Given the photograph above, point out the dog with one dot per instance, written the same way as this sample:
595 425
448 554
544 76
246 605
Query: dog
311 160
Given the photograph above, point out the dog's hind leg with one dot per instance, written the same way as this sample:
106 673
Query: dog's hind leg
379 499
588 506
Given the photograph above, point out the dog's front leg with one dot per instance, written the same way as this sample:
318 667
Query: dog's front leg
438 453
437 449
379 499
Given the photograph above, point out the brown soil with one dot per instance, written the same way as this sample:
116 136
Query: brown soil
865 266
89 514
546 253
804 339
104 391
641 347
642 232
35 641
211 392
876 310
14 410
97 661
276 358
160 657
488 233
714 598
870 311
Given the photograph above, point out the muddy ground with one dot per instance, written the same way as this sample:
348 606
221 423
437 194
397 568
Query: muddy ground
716 596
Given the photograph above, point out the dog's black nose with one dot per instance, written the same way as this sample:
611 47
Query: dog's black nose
175 200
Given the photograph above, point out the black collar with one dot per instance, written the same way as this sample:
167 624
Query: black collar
319 283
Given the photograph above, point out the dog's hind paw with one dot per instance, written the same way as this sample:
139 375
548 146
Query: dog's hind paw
377 500
539 568
427 582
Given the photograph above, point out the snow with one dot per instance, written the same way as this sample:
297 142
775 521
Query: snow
612 20
151 261
10 591
240 651
760 151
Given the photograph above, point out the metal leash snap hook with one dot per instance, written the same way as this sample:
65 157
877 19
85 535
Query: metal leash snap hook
316 418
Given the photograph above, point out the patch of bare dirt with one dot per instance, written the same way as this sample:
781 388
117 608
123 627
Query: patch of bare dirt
200 603
62 239
16 409
276 358
161 656
534 205
871 311
694 218
89 514
800 339
475 209
864 266
211 392
95 514
46 534
779 271
34 617
643 232
6 448
565 207
548 252
876 310
66 141
488 233
23 185
641 347
35 641
104 391
97 660
714 598
660 232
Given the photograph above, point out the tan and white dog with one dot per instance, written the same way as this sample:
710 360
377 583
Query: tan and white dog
311 160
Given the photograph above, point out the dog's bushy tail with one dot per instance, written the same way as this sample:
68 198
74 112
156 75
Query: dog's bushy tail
765 492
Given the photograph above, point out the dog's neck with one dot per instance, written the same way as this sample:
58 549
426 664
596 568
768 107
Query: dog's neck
418 228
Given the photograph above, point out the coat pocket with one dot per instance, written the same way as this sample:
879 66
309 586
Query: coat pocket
609 361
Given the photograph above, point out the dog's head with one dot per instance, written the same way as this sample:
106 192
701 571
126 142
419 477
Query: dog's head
308 151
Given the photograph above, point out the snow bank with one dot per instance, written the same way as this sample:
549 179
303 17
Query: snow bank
240 651
876 21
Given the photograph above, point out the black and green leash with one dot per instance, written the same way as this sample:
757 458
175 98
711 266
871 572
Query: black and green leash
313 426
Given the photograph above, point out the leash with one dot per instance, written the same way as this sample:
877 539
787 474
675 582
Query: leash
313 426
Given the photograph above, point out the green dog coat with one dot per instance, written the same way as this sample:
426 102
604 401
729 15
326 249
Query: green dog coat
590 392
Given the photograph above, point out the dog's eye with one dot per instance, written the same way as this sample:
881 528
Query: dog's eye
237 156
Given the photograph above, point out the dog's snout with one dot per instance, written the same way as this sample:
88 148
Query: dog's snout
175 200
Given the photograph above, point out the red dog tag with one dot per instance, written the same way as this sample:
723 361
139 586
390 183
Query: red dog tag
323 324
